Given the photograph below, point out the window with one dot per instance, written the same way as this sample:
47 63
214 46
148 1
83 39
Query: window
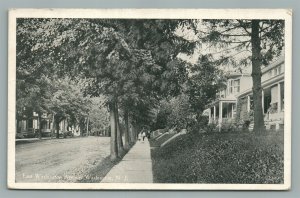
230 86
279 69
270 73
237 86
274 71
233 86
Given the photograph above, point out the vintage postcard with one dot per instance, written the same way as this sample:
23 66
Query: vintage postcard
150 99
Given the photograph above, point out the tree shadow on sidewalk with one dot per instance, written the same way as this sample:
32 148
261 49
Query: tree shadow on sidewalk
99 172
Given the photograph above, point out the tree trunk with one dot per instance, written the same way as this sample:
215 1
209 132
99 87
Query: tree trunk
126 134
119 132
40 126
131 138
81 127
137 130
113 133
52 127
256 77
134 133
57 129
87 126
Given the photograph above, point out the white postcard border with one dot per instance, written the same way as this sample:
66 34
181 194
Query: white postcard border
285 14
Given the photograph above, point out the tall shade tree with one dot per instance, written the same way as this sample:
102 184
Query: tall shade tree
204 81
33 95
68 102
69 47
99 117
124 60
146 69
245 42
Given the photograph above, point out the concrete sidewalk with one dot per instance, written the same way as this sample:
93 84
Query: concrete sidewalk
135 167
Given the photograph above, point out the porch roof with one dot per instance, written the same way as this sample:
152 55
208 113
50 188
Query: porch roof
216 102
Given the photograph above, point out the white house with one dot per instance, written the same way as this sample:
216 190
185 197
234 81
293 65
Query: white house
272 96
223 109
235 103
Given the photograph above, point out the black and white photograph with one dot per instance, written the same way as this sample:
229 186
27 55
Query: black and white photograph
149 99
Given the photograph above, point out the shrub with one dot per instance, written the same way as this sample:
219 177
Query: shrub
211 128
229 127
197 125
244 158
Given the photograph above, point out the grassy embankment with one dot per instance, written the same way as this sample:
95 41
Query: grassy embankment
220 158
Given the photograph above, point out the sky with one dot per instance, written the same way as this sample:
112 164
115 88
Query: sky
217 52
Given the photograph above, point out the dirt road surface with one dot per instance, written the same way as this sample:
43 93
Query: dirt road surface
60 160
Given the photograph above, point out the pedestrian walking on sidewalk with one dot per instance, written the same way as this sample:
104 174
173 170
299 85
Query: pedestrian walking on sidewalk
148 135
144 135
140 136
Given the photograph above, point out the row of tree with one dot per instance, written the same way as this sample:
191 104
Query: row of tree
124 60
134 65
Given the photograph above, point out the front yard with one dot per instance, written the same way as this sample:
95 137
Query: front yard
248 158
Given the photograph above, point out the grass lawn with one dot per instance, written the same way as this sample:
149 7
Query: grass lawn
220 158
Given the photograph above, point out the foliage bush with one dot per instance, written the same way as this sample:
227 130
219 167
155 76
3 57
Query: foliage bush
211 127
229 127
245 120
197 125
221 158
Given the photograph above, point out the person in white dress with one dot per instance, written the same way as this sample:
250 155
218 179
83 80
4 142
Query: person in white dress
140 136
144 135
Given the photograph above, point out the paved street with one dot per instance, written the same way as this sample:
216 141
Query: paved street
135 167
60 160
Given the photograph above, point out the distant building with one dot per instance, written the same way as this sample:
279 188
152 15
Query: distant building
235 103
29 127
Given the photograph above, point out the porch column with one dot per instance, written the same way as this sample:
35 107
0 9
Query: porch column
279 98
263 101
38 122
215 113
209 116
220 112
232 104
220 115
248 103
